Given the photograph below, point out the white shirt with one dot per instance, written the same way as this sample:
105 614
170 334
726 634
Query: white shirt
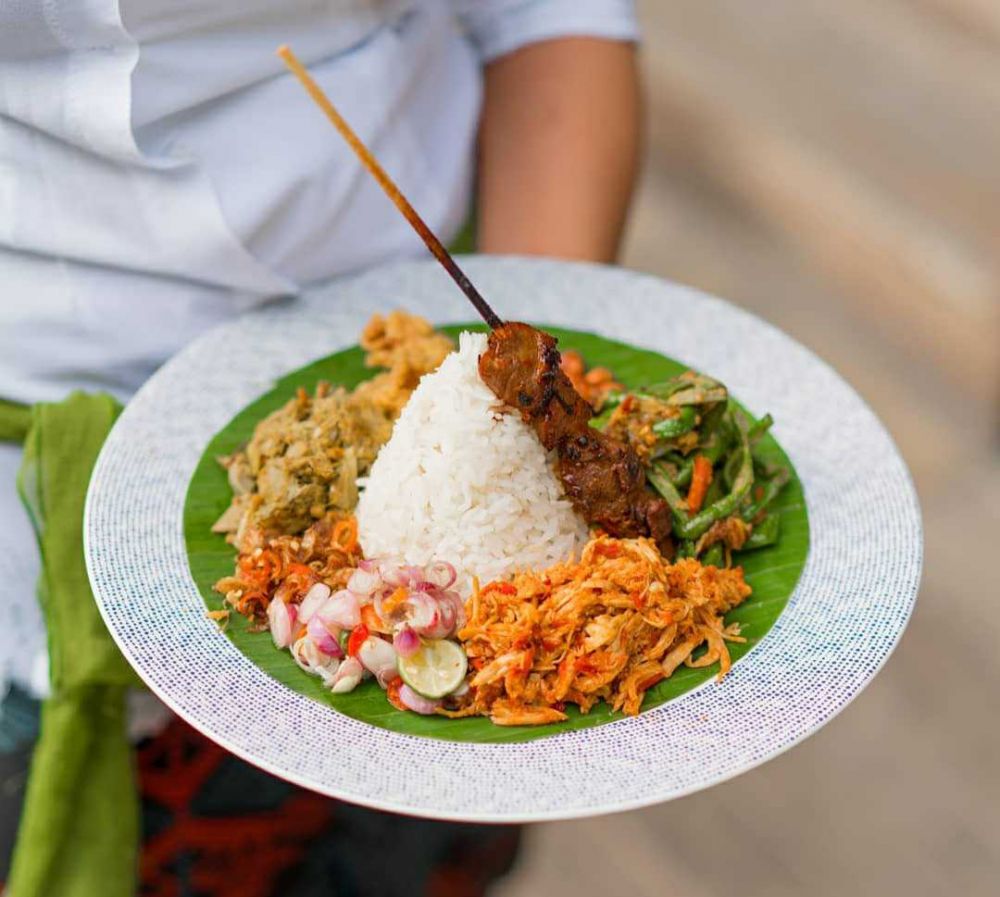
161 172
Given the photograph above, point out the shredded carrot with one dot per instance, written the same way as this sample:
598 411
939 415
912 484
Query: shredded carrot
701 479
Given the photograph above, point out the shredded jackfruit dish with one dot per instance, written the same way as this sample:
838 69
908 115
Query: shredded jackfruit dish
490 530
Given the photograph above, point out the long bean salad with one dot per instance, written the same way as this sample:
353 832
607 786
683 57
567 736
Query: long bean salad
702 454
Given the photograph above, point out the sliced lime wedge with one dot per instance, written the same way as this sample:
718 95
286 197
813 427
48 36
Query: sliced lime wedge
436 669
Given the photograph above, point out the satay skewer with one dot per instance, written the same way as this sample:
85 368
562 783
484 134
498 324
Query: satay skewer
390 188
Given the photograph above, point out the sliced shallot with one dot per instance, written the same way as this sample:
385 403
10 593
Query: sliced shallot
312 660
348 676
324 640
314 600
406 642
281 618
364 582
342 610
417 703
413 576
378 657
423 613
440 573
459 605
392 574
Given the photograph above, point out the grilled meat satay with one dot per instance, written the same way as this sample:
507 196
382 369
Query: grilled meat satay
603 476
521 365
604 479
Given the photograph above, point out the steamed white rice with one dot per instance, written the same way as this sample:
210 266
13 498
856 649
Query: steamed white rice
462 482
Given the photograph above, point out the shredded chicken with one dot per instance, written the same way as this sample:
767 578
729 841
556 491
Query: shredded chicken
606 628
304 459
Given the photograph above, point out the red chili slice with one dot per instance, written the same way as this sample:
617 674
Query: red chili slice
357 638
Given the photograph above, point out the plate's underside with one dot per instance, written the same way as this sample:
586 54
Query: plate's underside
842 621
772 572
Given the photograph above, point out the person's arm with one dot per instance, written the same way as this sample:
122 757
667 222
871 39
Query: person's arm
558 148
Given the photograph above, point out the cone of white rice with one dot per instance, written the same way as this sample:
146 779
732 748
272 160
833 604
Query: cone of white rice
463 482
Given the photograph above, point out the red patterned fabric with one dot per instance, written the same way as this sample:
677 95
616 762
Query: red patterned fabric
217 827
227 855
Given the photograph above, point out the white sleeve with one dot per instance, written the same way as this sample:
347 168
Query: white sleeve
496 27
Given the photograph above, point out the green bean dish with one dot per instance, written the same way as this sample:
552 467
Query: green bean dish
699 451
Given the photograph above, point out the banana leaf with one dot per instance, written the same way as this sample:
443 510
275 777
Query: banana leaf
772 571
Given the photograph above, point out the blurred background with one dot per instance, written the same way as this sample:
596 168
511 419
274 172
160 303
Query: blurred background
834 167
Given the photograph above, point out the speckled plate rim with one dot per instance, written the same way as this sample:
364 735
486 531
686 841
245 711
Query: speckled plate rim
847 614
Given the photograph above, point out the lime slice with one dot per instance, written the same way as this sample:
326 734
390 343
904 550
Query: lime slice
436 669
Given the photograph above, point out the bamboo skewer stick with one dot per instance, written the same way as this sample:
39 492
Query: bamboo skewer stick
390 188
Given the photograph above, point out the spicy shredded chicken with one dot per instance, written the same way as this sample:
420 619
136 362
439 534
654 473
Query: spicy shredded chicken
288 566
304 459
608 627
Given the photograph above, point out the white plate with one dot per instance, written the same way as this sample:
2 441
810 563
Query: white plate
850 607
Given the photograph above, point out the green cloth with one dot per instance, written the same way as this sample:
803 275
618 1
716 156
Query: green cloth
15 421
79 829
